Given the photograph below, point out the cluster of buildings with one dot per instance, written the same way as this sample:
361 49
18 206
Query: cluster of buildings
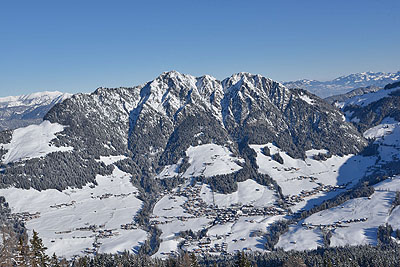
232 213
294 199
204 246
23 216
337 224
195 206
57 206
108 195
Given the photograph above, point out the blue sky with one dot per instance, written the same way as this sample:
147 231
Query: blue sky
77 46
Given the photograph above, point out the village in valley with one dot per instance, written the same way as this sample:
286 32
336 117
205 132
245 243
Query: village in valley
198 204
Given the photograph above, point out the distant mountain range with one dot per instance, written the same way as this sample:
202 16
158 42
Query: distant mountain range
345 84
23 110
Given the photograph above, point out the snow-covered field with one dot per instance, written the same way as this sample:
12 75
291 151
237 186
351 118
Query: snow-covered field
33 141
355 222
295 176
205 160
387 136
300 238
249 192
244 234
111 159
386 127
69 222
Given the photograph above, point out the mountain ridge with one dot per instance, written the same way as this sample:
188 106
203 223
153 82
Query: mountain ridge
345 83
23 110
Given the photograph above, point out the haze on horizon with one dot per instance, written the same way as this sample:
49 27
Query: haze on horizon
77 46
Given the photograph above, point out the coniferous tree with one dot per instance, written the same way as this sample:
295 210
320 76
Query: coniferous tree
185 261
54 261
38 257
7 247
193 259
242 260
22 254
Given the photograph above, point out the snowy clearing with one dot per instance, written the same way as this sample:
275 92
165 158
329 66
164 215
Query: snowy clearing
205 160
386 127
299 238
245 234
387 136
33 141
249 192
111 159
307 99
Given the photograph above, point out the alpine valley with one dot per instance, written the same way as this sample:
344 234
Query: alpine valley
194 164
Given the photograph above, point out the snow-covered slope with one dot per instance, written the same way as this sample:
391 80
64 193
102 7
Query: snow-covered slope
19 111
308 182
370 109
367 98
346 83
205 160
355 222
32 142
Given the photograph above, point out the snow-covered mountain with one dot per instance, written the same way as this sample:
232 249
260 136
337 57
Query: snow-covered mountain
346 83
23 110
181 162
369 109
